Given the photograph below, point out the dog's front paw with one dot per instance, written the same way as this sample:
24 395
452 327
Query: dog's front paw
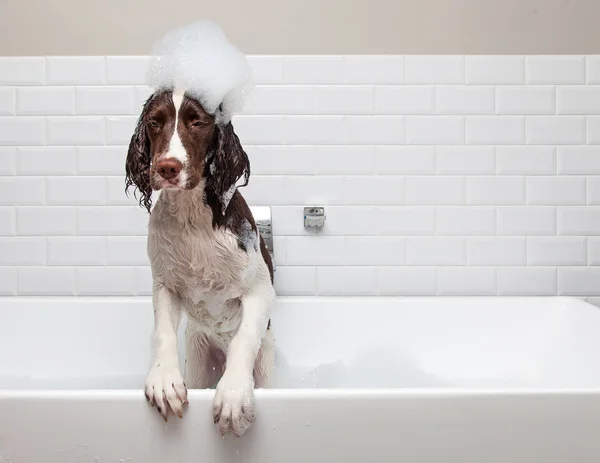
233 405
165 388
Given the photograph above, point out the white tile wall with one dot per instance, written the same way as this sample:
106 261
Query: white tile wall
442 175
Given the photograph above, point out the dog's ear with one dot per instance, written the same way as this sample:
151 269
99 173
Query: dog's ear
139 158
227 162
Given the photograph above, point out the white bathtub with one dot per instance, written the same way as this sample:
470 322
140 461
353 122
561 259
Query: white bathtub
477 380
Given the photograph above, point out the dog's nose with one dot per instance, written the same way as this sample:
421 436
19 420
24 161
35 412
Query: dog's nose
169 168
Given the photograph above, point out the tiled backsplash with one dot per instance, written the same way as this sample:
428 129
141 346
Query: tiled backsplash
443 175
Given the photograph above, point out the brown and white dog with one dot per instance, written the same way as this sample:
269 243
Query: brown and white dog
207 259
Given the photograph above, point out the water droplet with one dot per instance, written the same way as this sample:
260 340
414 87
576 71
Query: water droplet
307 424
237 452
274 428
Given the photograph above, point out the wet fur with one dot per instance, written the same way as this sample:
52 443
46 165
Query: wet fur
207 259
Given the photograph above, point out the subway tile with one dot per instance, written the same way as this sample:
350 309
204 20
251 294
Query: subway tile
101 160
76 250
464 221
577 256
8 221
105 281
313 70
525 160
313 190
467 100
313 130
495 190
19 131
115 192
578 99
111 220
496 251
266 190
593 130
579 281
593 69
435 130
8 160
495 130
556 250
288 99
47 160
523 221
583 160
46 101
119 129
397 220
126 70
75 70
102 101
259 130
296 281
435 70
525 100
495 70
143 281
578 220
374 190
62 191
350 220
375 250
555 69
22 70
338 99
346 281
21 190
315 250
555 130
527 281
405 160
141 95
291 159
404 99
8 281
126 250
556 190
375 130
46 221
7 101
266 69
465 160
374 69
21 250
466 281
344 160
75 130
46 281
593 190
288 221
426 250
407 281
435 190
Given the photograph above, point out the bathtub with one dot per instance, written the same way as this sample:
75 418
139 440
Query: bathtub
371 380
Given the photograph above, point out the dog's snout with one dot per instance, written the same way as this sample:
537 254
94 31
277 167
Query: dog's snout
169 168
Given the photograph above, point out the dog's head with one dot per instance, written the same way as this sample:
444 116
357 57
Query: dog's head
177 144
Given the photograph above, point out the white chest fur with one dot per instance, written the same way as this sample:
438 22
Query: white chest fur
203 265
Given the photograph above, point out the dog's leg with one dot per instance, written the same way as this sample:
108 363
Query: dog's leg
265 361
202 365
233 406
164 383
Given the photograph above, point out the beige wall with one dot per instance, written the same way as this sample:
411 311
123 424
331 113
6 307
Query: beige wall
84 27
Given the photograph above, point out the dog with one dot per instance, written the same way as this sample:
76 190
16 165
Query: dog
207 259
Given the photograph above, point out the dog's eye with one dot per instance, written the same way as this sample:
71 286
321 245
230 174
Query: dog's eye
198 123
153 123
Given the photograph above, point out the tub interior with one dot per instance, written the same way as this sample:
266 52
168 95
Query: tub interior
104 343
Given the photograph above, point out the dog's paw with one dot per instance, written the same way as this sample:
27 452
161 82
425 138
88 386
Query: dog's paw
233 405
165 388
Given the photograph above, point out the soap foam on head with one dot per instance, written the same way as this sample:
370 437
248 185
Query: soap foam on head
199 59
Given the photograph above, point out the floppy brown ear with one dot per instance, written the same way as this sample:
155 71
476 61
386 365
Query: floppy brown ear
227 163
137 165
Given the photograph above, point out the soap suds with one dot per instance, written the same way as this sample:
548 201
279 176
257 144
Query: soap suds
199 59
